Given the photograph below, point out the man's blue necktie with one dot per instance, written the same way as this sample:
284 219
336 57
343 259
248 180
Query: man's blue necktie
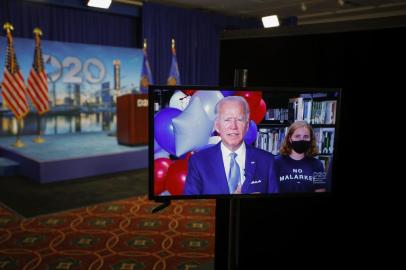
234 174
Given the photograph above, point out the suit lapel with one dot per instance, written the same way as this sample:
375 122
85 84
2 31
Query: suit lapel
250 167
218 170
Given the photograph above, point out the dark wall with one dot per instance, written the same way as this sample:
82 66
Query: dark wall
369 66
359 58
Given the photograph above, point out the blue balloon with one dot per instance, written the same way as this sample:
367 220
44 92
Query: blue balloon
227 93
157 147
251 134
164 132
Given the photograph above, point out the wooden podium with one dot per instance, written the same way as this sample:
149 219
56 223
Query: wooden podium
132 119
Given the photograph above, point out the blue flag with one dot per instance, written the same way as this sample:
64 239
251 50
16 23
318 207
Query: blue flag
146 74
174 76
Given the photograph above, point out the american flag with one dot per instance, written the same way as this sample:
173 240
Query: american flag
174 75
37 80
146 74
13 85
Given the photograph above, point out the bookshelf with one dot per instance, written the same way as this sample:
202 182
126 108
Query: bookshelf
319 109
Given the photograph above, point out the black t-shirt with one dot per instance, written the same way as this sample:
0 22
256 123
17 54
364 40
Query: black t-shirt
303 175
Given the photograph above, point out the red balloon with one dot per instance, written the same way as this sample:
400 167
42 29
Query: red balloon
252 97
189 92
161 166
258 113
176 177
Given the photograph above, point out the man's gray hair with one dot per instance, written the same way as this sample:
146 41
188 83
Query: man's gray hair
238 99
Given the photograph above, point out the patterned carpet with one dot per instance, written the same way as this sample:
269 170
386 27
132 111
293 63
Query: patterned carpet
121 235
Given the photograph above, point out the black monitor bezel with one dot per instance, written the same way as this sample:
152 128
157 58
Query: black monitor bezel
151 113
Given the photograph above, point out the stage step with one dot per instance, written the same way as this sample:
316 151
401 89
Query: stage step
8 167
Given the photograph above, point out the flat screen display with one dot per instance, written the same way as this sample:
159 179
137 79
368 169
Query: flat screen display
209 142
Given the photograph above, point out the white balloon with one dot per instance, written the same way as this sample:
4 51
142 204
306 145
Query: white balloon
179 100
208 100
192 128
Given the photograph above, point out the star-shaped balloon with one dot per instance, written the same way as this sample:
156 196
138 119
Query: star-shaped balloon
192 128
208 99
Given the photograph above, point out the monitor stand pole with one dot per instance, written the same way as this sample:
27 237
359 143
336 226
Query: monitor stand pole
233 234
161 206
240 80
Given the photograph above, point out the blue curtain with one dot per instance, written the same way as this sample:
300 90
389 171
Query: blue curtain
70 24
197 36
197 33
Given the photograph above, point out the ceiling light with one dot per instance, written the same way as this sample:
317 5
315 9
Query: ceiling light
270 21
99 3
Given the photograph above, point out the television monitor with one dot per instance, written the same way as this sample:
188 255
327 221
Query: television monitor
289 141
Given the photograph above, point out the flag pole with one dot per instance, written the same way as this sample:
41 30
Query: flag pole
144 83
37 33
39 138
20 125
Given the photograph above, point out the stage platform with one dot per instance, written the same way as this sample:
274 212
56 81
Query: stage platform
64 157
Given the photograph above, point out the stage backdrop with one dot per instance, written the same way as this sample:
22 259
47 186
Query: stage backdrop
82 81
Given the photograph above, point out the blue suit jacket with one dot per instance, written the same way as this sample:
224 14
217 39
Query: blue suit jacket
206 173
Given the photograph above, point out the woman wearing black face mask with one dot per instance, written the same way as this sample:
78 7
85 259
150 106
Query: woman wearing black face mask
297 168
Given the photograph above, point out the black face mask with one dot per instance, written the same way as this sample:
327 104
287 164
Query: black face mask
300 146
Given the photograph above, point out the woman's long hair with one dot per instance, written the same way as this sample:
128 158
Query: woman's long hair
286 147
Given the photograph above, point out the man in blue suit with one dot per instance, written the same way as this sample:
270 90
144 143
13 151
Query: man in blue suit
231 166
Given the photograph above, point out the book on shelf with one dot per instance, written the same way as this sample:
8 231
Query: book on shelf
307 110
277 114
295 109
270 139
325 140
316 112
323 112
312 111
330 112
